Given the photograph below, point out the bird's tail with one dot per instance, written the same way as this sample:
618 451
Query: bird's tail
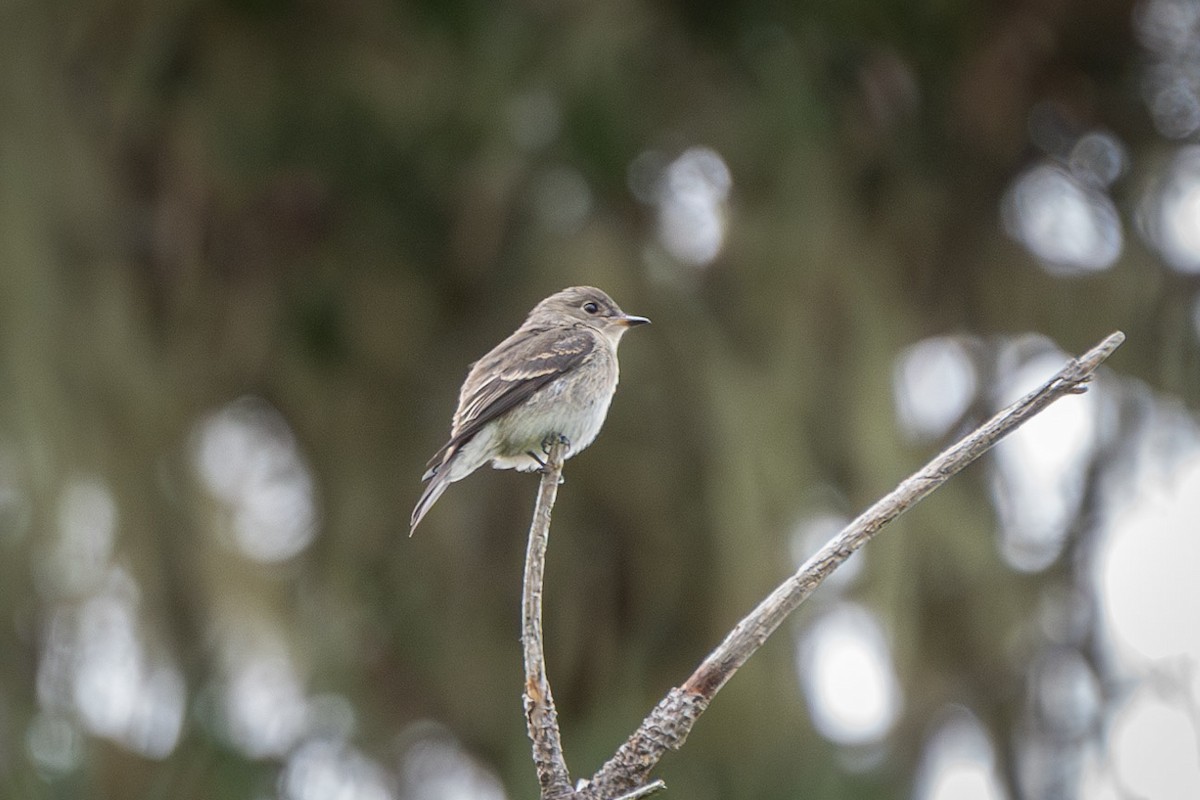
438 482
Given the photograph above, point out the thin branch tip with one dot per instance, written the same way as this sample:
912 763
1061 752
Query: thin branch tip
540 715
644 791
1100 353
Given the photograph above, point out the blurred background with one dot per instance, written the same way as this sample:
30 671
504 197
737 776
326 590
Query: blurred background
249 247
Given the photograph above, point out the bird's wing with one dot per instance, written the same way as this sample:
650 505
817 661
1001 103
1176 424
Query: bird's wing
515 369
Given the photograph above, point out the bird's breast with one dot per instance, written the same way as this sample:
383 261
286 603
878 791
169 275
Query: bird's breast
574 405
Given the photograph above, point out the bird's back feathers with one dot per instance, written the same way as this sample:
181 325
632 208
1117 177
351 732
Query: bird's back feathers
509 374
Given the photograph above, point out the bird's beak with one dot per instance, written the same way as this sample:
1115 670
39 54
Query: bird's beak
629 320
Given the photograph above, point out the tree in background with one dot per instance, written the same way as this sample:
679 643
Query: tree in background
249 248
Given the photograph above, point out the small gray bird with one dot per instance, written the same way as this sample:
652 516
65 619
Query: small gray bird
554 377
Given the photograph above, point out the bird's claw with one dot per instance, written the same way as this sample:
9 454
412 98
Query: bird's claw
542 466
548 442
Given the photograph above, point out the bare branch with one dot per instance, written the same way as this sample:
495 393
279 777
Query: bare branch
540 714
669 723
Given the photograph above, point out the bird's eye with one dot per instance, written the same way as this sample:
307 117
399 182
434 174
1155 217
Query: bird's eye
590 307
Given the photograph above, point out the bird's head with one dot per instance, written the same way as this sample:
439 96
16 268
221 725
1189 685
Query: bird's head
584 305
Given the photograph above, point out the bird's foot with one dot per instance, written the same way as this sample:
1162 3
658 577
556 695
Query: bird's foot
541 470
548 442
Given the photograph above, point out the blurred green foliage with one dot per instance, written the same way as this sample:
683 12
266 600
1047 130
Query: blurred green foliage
335 207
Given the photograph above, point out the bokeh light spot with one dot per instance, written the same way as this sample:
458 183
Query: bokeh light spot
934 384
332 770
1171 212
1066 692
79 559
691 194
97 664
1149 560
845 667
54 743
1070 226
1097 159
266 711
1170 86
1155 748
1039 473
436 767
959 763
247 457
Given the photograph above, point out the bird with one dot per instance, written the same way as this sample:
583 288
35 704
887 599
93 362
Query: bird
553 377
